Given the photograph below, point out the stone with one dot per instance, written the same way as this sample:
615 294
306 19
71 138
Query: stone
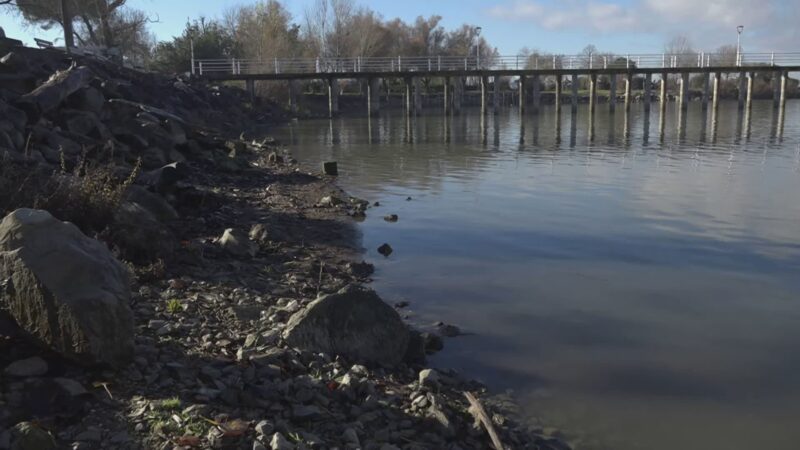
391 218
351 437
28 436
237 243
330 168
265 428
164 179
90 435
385 250
330 201
305 411
88 99
448 330
67 291
258 446
279 442
429 377
70 386
31 367
354 323
360 270
153 203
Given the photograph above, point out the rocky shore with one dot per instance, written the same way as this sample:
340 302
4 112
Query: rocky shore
171 279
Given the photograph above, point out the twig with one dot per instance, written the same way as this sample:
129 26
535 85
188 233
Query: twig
477 411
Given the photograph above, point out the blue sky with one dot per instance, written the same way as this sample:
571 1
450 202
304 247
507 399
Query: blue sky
559 26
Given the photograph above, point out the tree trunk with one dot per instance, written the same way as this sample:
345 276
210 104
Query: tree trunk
66 18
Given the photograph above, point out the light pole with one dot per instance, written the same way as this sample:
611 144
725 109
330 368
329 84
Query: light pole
739 30
478 35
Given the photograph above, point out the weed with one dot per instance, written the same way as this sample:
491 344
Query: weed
174 306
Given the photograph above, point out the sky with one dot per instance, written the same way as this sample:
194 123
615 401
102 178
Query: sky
555 26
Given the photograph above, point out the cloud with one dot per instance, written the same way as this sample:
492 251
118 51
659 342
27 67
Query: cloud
770 24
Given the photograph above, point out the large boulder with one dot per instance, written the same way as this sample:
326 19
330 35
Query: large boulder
354 323
65 290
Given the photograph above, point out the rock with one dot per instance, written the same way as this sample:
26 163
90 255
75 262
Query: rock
164 179
90 435
330 168
305 411
64 289
385 250
141 237
28 436
448 330
275 158
391 218
279 442
330 201
354 323
88 99
70 386
31 367
351 437
429 377
237 243
360 270
265 428
258 446
153 203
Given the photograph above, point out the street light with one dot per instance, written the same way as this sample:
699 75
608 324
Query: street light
739 30
478 34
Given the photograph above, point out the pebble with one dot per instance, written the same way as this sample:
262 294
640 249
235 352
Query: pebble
391 218
31 367
385 250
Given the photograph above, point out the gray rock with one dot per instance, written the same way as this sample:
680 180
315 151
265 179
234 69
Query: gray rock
385 250
428 377
448 330
305 411
90 435
64 289
89 99
354 323
27 436
71 386
265 428
330 201
330 168
351 437
31 367
279 442
391 218
153 203
141 237
258 446
237 243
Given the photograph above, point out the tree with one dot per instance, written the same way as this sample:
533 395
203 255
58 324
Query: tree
588 56
682 50
211 41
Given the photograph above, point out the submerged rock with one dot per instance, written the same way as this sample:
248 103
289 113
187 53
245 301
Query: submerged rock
354 323
64 289
385 250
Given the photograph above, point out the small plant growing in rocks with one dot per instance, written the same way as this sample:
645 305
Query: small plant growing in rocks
171 404
174 306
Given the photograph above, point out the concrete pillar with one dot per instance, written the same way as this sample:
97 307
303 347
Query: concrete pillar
484 93
537 93
742 89
715 91
446 95
628 83
373 96
750 77
684 93
783 95
648 81
333 97
417 95
776 89
575 85
558 94
250 86
521 88
496 96
458 95
612 93
409 98
592 93
663 93
293 96
706 88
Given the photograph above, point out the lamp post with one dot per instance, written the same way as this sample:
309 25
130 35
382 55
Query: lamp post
478 35
739 30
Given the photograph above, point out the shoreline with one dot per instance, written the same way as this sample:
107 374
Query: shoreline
211 366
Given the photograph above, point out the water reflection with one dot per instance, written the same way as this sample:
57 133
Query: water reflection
642 293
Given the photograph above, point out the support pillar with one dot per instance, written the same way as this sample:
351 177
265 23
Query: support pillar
250 86
663 93
628 83
446 95
648 86
521 87
783 95
592 93
417 95
715 91
373 96
575 86
684 91
776 89
333 97
293 96
409 89
496 96
458 95
537 94
742 89
750 77
484 93
558 93
612 93
706 88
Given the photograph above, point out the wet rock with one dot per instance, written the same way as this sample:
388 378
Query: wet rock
64 289
265 428
448 330
237 243
429 377
360 270
31 367
385 250
330 201
330 168
28 436
354 323
391 218
279 442
275 158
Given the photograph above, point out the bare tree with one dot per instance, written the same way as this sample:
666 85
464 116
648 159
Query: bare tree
680 47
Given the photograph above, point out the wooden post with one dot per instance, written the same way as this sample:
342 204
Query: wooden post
706 88
592 93
663 93
612 93
417 95
408 96
333 97
742 89
484 93
784 82
458 95
776 89
446 93
750 77
66 17
496 95
648 86
521 87
684 93
537 95
628 83
373 96
558 93
575 85
715 92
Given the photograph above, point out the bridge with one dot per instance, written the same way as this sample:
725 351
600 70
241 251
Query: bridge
528 70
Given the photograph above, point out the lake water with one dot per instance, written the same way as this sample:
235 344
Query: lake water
639 290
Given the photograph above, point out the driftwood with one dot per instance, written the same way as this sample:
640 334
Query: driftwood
477 411
54 91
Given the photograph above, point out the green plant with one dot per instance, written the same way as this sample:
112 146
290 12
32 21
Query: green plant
174 306
170 404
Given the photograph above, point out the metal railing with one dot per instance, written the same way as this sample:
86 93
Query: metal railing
517 62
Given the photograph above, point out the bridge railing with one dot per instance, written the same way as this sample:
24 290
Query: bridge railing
410 64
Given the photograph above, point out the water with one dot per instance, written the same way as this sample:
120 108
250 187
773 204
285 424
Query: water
638 290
